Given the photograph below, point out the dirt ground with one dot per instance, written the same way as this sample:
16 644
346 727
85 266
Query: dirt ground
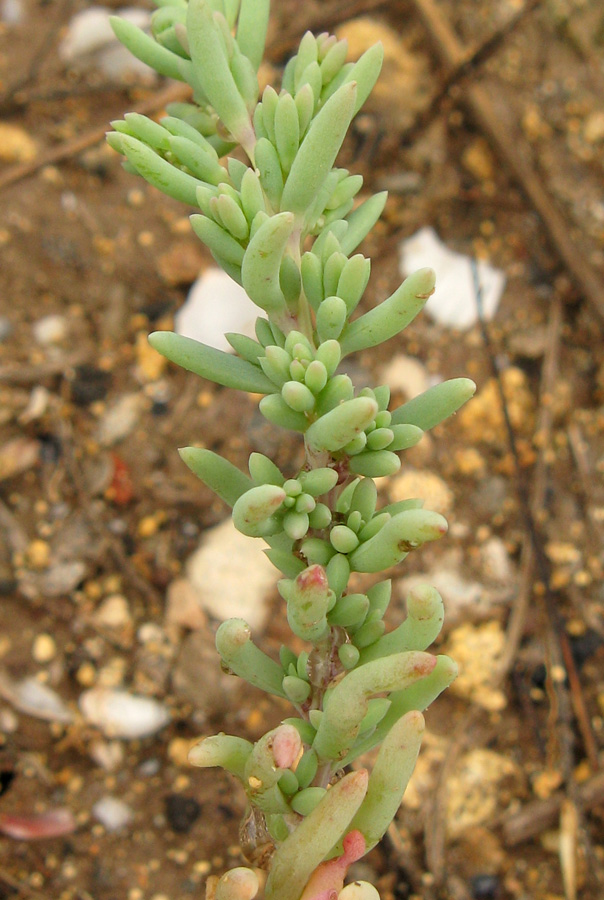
508 799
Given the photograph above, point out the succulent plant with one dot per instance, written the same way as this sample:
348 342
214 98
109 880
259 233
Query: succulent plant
285 225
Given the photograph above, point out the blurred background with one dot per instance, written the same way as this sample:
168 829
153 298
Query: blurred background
116 565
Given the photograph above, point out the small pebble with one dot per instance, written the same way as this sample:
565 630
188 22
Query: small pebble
484 887
112 812
89 385
113 613
16 145
182 812
11 11
6 328
50 329
44 648
38 554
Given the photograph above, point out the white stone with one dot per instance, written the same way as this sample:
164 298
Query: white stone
11 11
35 699
120 419
112 812
90 39
122 715
214 306
454 302
407 375
231 575
50 329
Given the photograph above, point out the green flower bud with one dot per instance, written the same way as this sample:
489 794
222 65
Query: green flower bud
305 504
338 389
275 365
380 438
317 551
354 521
320 517
331 318
353 281
297 370
318 481
329 354
405 436
307 768
292 487
343 539
374 525
338 573
311 272
305 801
297 396
356 445
295 525
315 376
349 610
288 783
369 633
364 498
375 464
332 271
349 655
296 689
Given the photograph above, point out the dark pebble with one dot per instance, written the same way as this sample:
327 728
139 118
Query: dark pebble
485 887
50 448
89 385
181 812
585 646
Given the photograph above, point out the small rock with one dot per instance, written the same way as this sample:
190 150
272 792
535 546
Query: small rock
485 887
496 563
150 365
59 579
482 420
407 375
183 608
427 486
478 160
109 755
89 385
17 456
35 699
6 329
120 419
51 329
90 41
114 616
38 554
11 12
113 813
593 127
469 462
478 650
215 305
122 715
44 648
182 812
474 789
231 576
16 145
37 407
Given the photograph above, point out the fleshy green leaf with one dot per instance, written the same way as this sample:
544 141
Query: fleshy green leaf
217 473
210 363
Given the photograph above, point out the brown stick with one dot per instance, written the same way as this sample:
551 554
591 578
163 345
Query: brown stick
72 147
539 815
515 154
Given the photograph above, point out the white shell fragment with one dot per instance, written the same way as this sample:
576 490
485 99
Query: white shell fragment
90 40
35 699
214 306
122 715
454 301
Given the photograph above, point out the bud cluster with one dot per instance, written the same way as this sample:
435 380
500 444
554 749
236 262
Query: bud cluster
286 225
